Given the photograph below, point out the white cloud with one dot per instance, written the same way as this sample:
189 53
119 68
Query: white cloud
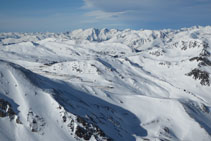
102 15
134 12
125 5
142 5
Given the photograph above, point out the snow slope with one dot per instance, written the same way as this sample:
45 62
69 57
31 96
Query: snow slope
106 85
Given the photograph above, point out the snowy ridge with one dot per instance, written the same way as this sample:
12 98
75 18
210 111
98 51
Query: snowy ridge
106 85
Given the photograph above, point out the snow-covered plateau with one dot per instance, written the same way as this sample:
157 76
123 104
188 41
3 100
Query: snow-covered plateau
108 84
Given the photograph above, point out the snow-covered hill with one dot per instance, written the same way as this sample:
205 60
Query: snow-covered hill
106 85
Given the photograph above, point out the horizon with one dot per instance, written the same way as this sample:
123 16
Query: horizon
68 15
194 26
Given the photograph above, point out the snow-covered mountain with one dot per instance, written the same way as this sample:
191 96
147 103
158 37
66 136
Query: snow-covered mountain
106 85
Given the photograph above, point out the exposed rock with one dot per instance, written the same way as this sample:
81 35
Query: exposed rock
190 44
83 128
205 45
3 114
83 133
166 129
204 53
157 52
201 75
64 118
6 109
50 63
205 108
86 130
36 123
203 61
18 121
71 125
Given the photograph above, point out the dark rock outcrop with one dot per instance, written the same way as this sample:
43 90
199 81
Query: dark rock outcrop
36 123
85 129
6 109
203 61
201 75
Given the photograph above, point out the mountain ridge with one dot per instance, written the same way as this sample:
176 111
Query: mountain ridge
106 85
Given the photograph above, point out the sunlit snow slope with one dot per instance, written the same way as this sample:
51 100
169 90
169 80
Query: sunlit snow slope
106 85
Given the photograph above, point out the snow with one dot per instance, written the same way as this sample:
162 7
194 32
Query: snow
131 84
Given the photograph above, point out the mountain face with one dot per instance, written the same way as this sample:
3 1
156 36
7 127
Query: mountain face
106 85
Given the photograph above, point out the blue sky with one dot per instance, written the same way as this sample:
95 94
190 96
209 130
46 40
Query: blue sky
66 15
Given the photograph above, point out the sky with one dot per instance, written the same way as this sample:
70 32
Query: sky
67 15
